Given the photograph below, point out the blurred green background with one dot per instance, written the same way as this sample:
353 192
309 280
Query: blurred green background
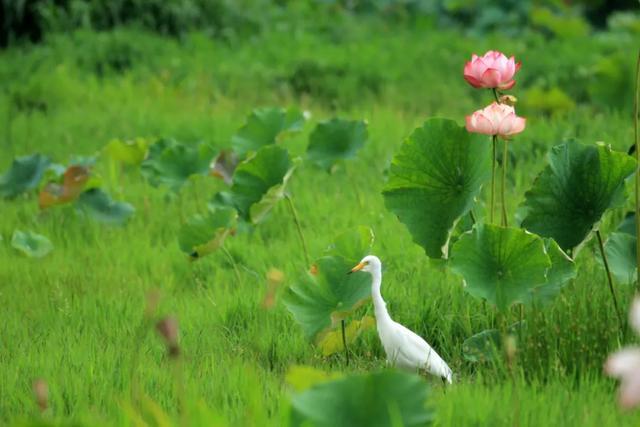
588 42
33 19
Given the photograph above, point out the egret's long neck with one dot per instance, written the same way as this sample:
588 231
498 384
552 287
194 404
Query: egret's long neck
378 303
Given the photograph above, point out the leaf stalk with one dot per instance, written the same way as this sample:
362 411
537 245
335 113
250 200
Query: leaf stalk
344 341
505 156
299 228
610 280
494 140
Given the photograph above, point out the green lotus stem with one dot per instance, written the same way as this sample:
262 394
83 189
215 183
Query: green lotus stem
495 95
493 177
610 280
637 142
344 341
472 216
233 262
493 171
505 156
299 228
501 324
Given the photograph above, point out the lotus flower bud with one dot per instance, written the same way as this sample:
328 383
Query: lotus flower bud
493 70
496 119
508 99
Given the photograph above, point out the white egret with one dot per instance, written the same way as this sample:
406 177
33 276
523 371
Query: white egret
404 348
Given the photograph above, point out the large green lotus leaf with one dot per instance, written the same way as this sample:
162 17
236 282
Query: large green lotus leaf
483 346
561 271
171 163
621 253
331 342
621 250
486 345
334 140
201 235
301 377
259 183
24 175
98 205
433 181
263 127
128 152
381 399
573 192
260 209
31 244
352 245
320 299
628 224
500 264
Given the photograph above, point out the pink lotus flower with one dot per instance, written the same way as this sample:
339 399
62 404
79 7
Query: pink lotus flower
493 70
625 365
496 119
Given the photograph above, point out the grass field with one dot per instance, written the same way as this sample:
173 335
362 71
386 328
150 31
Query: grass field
75 317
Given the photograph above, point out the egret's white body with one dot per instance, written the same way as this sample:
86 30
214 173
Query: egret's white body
404 348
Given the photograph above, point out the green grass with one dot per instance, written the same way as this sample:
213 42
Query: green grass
74 317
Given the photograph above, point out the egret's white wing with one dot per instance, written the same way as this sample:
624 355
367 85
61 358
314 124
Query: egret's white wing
420 354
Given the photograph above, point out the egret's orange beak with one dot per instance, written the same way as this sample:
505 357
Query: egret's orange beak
358 267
